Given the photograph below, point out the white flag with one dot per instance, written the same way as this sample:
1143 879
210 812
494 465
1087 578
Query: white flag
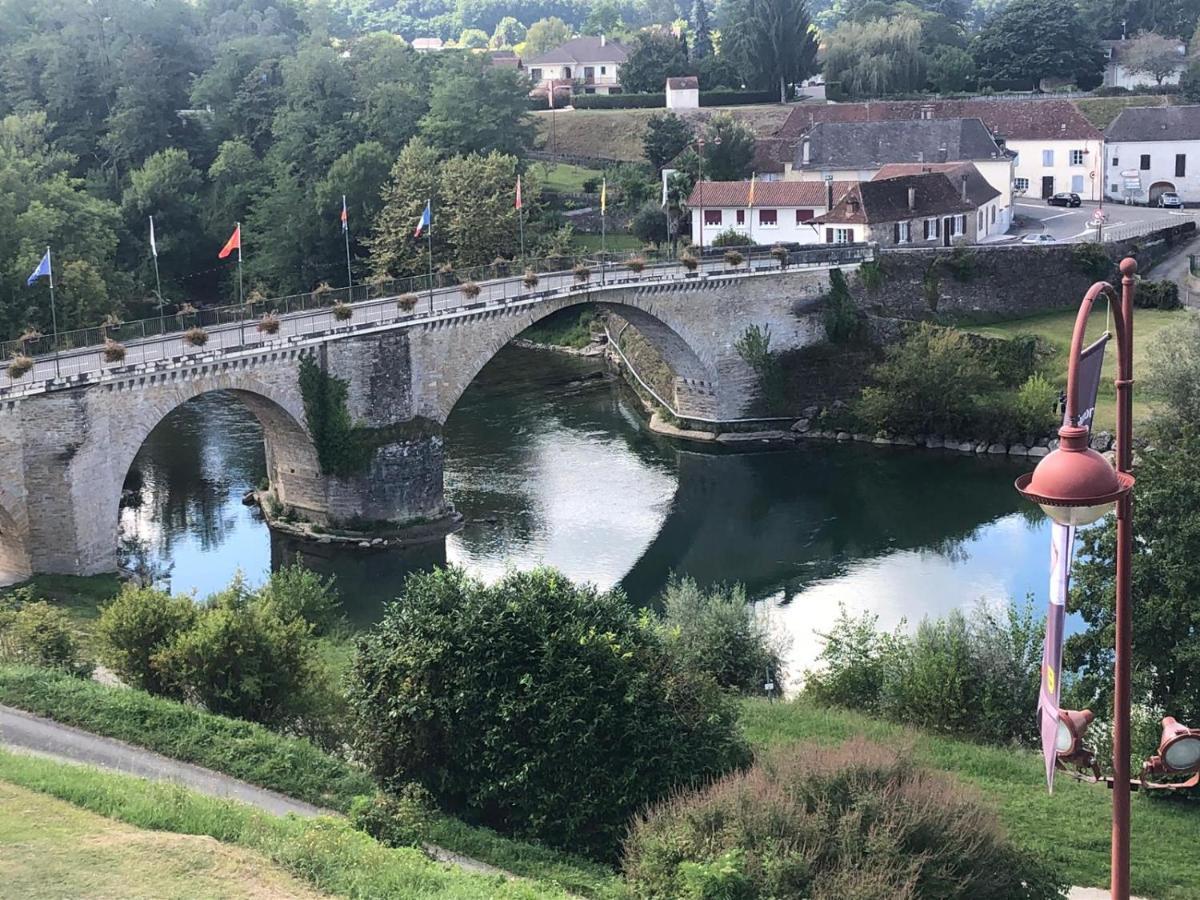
153 245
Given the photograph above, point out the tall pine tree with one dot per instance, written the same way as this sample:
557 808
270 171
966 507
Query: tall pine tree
702 42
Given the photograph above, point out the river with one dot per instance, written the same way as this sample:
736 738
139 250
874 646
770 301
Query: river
549 463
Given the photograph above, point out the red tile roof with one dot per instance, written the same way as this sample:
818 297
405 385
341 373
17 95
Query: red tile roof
873 202
732 194
687 82
1010 119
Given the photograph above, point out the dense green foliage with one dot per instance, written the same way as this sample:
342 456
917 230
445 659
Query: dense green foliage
1031 40
1165 581
36 633
717 632
840 315
859 820
654 56
666 137
535 706
941 381
329 853
974 676
754 347
292 766
771 42
245 654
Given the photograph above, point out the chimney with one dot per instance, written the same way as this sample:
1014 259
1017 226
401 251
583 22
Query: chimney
920 156
964 186
828 194
942 154
912 200
603 40
804 150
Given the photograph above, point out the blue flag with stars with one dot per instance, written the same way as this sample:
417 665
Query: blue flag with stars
42 271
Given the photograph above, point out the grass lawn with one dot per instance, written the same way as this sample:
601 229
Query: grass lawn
563 177
1055 328
616 134
591 243
326 853
53 849
1069 828
1100 111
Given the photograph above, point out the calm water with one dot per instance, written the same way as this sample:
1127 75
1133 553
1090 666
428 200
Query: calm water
549 464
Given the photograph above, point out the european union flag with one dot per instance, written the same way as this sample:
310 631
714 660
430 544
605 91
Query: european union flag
42 271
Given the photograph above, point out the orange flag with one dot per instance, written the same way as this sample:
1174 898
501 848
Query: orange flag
234 243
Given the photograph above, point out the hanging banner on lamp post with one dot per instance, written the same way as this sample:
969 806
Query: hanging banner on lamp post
1062 540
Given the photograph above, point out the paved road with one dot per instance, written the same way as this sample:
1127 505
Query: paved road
29 732
1068 225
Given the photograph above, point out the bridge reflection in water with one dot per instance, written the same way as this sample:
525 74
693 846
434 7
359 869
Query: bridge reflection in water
550 464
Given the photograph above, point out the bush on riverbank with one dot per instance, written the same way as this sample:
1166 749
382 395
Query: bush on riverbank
859 820
35 633
243 653
939 381
718 633
535 706
974 676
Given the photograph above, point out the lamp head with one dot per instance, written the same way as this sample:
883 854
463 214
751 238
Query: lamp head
1074 484
1178 751
1071 727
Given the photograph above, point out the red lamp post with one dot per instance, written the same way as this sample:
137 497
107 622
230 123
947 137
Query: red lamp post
1075 485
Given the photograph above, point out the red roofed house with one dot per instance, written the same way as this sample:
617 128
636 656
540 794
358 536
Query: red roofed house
1057 148
919 210
779 212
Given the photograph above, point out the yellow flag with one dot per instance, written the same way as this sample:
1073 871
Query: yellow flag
750 199
603 196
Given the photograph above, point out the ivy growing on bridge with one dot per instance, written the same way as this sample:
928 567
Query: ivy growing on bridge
343 448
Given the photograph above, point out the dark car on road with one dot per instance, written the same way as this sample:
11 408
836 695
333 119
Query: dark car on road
1064 199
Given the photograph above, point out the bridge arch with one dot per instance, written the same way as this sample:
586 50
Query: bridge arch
291 458
696 378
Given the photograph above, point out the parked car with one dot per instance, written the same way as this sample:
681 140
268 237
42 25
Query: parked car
1065 198
1039 239
1170 199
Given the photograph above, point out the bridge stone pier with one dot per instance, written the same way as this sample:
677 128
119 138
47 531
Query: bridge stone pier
67 446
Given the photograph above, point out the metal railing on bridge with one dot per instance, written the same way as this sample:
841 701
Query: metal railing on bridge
163 340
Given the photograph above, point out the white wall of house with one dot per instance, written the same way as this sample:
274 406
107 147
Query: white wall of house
1116 75
1045 167
764 225
1158 165
598 77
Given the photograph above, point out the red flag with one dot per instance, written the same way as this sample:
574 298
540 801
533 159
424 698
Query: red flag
345 220
518 192
234 243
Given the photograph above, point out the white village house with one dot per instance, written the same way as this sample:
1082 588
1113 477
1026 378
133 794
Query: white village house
779 212
683 93
1152 150
1116 73
590 64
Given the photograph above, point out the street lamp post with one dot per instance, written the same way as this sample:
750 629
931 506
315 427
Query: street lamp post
1075 485
700 142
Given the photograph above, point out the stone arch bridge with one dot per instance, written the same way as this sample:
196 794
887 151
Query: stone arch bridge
67 441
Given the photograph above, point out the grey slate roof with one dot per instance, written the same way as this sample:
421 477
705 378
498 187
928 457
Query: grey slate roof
580 51
868 145
1155 123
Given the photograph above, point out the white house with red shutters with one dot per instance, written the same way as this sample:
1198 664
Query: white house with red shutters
776 211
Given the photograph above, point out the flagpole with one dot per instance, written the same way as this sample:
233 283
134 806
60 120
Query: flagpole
346 235
53 312
162 325
603 231
241 300
429 238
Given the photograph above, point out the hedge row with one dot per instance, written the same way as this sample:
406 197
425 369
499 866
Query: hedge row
659 100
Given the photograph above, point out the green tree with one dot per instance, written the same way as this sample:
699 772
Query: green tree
1165 582
772 42
535 706
1153 55
728 148
951 70
876 58
702 45
665 138
546 34
415 178
649 223
1031 40
167 187
508 33
391 86
360 176
314 124
236 179
475 108
477 213
1189 82
604 18
654 56
473 39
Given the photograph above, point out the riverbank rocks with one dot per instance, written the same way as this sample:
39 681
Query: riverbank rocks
843 435
1018 450
997 449
1102 441
801 425
934 441
903 441
1038 451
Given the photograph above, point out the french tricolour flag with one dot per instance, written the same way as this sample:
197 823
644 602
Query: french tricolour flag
426 218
